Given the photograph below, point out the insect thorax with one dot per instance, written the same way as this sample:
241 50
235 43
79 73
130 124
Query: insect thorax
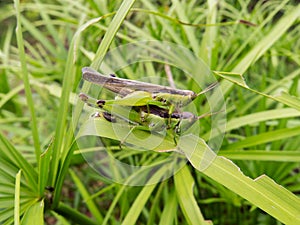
174 99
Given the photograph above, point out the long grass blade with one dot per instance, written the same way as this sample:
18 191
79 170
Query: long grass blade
184 184
17 199
262 192
35 133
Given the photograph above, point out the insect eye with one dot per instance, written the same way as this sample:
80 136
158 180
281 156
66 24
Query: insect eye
151 125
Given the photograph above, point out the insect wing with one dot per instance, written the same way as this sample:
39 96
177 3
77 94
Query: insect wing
116 84
137 98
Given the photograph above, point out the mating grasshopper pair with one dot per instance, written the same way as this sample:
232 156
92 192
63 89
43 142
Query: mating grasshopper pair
154 107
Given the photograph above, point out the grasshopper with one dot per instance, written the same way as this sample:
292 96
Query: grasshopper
155 120
142 93
149 105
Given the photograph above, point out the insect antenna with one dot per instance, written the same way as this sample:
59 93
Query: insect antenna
210 87
209 114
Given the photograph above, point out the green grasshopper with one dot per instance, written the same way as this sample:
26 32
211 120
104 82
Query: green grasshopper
156 120
150 105
142 93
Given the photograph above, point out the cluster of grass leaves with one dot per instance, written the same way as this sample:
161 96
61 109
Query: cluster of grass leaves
42 174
